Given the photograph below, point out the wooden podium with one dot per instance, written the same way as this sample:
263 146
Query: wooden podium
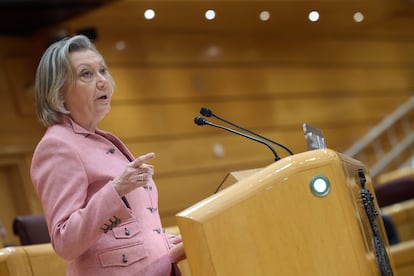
312 213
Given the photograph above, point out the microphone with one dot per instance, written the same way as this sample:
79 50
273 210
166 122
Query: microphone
201 121
205 111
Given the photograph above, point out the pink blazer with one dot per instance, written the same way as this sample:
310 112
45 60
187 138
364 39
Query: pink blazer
90 225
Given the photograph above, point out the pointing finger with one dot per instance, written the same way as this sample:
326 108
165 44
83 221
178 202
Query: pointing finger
142 159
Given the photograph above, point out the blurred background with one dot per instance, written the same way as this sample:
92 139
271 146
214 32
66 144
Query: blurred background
345 67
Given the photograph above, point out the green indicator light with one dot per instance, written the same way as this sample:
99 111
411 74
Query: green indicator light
320 185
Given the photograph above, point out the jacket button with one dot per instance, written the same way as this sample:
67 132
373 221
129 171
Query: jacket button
124 259
127 233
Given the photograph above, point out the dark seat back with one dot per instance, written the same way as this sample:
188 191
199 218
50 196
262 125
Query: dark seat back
31 229
395 191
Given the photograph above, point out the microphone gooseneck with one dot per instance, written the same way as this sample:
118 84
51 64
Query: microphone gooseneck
201 121
205 111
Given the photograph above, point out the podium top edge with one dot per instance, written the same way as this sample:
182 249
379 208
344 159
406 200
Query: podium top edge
280 169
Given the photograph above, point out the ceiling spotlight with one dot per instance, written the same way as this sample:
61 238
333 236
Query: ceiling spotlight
149 14
264 15
358 17
210 14
313 16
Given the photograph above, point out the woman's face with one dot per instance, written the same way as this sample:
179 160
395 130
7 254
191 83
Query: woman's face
89 98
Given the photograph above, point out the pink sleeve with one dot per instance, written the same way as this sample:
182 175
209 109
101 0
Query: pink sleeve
74 222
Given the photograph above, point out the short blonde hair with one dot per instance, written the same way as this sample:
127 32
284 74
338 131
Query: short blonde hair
53 73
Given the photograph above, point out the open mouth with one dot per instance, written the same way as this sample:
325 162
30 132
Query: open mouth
104 97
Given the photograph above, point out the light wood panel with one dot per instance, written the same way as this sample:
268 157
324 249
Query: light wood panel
251 216
19 127
197 151
173 82
17 196
351 50
31 260
402 215
403 254
165 118
19 130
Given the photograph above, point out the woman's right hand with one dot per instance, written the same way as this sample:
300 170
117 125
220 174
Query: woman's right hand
136 174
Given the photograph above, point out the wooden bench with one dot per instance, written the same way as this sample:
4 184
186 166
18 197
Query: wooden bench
31 260
402 216
403 256
407 172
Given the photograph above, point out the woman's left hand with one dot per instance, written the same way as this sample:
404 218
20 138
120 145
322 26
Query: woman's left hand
177 253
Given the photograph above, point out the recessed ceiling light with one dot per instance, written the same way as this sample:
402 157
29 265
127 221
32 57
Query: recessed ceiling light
149 14
313 16
358 17
264 15
210 14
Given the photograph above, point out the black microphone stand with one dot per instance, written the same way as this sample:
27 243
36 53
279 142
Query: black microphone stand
205 111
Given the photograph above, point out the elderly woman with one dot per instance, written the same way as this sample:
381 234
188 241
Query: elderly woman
100 202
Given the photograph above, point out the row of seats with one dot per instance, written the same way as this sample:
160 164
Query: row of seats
395 195
31 260
35 256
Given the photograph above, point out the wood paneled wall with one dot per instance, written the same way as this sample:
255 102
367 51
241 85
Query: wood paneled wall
343 84
19 130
